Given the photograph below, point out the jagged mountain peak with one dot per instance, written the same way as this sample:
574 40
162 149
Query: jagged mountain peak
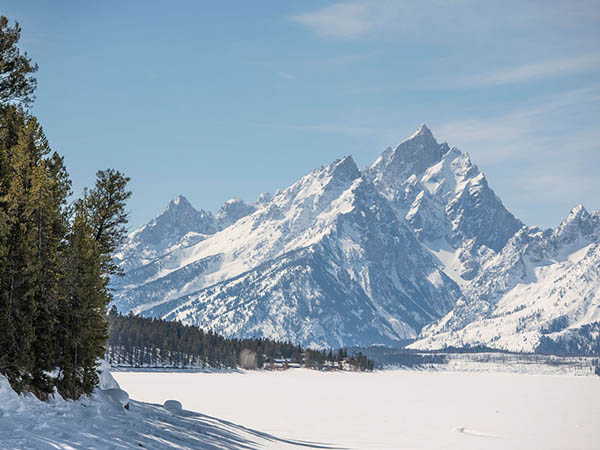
233 202
580 223
264 198
320 185
180 201
577 213
540 288
423 131
441 193
178 218
344 169
178 209
232 211
178 224
411 157
422 138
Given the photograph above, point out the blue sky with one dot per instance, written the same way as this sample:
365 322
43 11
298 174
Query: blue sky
215 100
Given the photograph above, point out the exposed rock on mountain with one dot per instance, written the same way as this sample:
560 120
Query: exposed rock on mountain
541 291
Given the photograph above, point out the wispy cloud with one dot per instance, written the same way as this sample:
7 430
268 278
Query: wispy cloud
536 71
285 75
540 166
342 20
503 137
442 19
271 68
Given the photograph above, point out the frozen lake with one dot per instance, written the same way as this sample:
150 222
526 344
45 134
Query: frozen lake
391 409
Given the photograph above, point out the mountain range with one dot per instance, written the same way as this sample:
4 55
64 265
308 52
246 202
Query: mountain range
414 248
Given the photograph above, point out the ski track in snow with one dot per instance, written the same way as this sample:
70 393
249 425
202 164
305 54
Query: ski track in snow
468 432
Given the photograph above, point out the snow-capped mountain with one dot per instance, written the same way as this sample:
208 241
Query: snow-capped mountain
344 257
541 292
180 225
324 262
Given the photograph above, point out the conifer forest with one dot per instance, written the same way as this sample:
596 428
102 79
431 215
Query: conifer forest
136 341
55 251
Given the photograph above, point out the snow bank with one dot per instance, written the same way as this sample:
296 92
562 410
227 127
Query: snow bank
107 381
9 400
115 396
173 406
96 422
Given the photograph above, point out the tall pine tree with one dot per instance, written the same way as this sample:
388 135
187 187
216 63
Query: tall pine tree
83 328
54 269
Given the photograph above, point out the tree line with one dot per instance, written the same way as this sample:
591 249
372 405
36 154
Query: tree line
55 254
138 341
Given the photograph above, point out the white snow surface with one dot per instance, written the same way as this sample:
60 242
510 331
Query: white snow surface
301 408
391 409
100 422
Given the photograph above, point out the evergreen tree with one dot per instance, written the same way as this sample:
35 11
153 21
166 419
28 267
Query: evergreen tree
35 221
105 206
16 82
21 273
84 329
53 271
7 333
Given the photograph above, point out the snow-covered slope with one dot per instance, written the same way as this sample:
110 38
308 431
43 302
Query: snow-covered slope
344 257
307 409
324 262
180 225
356 276
541 292
98 422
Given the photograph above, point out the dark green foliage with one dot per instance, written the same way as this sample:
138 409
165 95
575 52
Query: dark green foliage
29 251
53 271
16 82
578 341
53 268
83 330
105 206
140 341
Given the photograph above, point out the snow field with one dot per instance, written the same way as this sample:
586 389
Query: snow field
100 422
390 409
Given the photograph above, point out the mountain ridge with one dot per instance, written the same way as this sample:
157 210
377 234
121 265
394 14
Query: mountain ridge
342 256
